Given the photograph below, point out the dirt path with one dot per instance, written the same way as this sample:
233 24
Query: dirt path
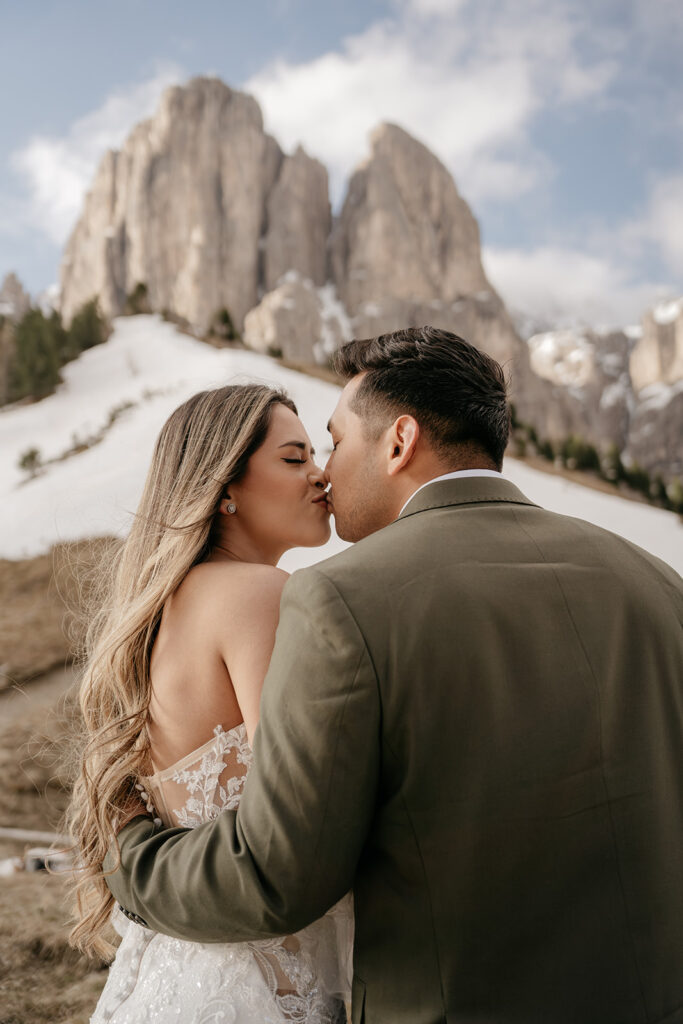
43 692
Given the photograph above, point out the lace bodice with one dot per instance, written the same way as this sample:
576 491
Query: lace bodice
207 781
297 979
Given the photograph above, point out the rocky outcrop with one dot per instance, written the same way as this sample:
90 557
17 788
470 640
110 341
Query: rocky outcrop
655 430
14 301
592 396
657 357
299 221
297 321
405 252
183 208
404 232
596 397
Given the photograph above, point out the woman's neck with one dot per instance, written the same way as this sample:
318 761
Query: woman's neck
241 548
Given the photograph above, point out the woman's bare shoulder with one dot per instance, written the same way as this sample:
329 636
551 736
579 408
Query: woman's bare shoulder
237 587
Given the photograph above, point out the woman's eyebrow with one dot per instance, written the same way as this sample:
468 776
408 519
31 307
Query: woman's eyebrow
296 444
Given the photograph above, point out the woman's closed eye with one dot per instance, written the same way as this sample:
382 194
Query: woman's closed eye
297 462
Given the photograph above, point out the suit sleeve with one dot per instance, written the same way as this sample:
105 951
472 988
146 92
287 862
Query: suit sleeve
290 851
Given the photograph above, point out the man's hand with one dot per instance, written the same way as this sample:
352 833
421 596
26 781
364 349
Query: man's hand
133 808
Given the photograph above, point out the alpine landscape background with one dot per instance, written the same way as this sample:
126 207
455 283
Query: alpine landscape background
205 254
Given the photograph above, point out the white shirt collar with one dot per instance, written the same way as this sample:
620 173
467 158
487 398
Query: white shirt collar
454 476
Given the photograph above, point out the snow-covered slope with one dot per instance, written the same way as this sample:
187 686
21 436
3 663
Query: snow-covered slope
125 389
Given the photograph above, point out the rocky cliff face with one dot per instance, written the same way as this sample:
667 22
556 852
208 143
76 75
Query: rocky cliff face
298 222
657 357
404 232
405 252
592 395
621 387
203 207
199 205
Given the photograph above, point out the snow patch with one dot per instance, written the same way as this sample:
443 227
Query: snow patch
612 363
613 394
563 357
96 491
658 396
336 326
667 312
371 309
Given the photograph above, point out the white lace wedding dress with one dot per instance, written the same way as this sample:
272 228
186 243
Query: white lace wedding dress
300 979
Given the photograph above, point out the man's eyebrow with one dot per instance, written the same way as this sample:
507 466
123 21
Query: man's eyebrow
296 444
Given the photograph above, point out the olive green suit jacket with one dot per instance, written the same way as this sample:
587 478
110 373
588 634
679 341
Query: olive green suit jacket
473 718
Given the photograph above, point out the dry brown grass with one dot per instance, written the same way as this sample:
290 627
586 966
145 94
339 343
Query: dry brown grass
42 603
35 754
42 979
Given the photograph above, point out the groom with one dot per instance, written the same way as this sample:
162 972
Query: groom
473 718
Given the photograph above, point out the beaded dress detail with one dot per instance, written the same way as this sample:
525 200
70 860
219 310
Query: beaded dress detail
298 979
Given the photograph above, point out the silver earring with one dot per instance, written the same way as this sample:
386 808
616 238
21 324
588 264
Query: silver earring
232 508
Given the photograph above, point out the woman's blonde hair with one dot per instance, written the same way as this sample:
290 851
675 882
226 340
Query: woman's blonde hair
203 447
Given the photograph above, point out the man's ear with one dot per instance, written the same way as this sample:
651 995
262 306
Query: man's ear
402 438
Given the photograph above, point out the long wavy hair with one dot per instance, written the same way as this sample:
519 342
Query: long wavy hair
203 447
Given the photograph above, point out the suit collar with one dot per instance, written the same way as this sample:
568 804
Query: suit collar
464 491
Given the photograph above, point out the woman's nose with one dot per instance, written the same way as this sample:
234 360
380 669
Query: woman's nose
317 476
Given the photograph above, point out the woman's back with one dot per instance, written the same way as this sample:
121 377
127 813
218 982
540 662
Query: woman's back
222 614
210 655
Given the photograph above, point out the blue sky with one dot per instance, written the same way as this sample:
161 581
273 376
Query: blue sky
561 120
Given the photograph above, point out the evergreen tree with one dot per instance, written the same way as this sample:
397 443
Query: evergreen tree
88 328
675 495
638 479
40 346
6 356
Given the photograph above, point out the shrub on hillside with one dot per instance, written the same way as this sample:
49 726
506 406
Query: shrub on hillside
578 454
137 301
30 461
612 466
222 326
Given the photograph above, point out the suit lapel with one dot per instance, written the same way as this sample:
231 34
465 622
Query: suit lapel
475 490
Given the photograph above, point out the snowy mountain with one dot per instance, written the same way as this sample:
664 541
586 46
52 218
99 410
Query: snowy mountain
623 386
96 433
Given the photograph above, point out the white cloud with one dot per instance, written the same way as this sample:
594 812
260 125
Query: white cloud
58 171
466 78
555 286
604 282
427 8
663 222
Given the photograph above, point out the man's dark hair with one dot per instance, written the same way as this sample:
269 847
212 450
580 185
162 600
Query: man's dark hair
457 394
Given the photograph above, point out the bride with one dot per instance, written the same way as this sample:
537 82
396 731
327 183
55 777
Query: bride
170 701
